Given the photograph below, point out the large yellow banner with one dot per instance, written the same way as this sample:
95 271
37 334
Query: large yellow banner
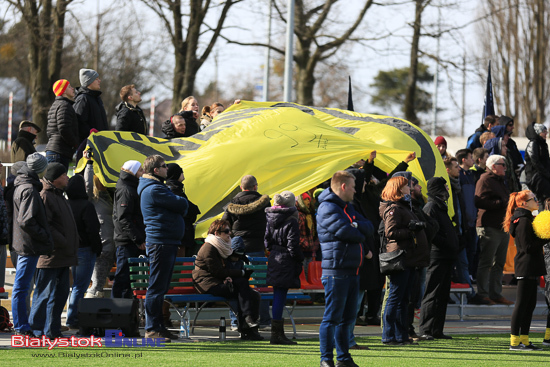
286 146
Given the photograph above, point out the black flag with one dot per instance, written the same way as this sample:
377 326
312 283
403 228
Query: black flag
350 98
488 107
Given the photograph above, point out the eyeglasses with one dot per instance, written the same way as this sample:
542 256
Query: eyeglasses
162 165
531 199
500 164
226 231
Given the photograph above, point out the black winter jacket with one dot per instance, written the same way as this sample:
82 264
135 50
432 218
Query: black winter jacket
445 243
31 231
282 239
127 217
129 118
84 214
246 214
62 128
191 126
537 159
190 218
529 260
397 216
90 112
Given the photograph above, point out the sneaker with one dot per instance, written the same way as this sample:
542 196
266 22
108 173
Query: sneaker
427 337
93 294
70 327
359 347
518 348
531 347
64 328
234 328
393 342
546 342
156 335
408 342
250 321
346 363
28 333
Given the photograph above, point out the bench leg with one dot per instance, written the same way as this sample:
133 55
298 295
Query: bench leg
289 312
461 306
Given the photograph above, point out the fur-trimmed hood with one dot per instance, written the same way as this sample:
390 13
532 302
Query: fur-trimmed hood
245 209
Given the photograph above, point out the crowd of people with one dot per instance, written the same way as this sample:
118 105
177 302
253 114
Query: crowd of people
57 226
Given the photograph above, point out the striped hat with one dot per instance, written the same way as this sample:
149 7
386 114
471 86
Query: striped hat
60 86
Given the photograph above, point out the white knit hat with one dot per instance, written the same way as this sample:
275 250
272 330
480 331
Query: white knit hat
132 166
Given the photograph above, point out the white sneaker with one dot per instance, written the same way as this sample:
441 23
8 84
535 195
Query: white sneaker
92 294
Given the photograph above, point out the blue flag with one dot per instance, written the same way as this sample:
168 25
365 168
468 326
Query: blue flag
489 107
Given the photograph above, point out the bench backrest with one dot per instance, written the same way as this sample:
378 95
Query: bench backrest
182 280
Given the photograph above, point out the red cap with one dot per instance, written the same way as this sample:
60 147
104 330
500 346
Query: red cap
440 140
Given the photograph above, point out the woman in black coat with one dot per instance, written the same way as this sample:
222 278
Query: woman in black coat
282 239
174 181
528 263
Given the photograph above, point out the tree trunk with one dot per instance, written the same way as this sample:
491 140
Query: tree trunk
45 54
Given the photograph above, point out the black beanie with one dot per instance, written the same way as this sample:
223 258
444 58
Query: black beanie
174 172
54 170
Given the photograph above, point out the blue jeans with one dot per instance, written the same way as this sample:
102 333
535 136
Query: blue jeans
122 287
82 274
50 295
161 263
56 157
340 311
396 324
26 266
360 295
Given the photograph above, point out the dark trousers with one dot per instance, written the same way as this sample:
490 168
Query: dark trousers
436 296
248 299
526 301
121 285
161 265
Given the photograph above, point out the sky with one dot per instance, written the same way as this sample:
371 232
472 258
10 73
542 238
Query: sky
248 23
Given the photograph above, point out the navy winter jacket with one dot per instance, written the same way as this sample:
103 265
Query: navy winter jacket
342 244
162 211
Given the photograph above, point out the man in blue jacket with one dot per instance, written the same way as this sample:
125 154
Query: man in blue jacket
342 233
163 214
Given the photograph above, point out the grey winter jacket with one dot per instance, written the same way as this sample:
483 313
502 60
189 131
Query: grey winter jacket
31 232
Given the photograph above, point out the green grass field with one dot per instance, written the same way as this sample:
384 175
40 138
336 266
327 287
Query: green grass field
463 350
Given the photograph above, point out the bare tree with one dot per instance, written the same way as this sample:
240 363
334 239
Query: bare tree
410 94
516 40
189 56
46 27
314 43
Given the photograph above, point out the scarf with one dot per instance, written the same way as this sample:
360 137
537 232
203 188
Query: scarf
455 185
224 248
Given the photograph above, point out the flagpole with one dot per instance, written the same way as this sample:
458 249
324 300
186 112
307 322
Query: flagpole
289 54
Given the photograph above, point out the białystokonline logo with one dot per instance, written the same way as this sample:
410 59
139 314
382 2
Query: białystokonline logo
113 339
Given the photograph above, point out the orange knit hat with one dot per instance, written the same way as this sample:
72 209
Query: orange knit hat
60 86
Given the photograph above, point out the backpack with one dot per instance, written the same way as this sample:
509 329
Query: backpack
5 324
